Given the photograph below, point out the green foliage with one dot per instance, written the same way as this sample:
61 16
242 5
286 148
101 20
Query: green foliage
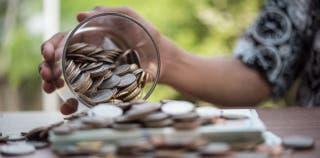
24 58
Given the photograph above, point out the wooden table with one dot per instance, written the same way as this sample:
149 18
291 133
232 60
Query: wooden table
282 122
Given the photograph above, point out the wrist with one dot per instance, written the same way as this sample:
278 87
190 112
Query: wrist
173 60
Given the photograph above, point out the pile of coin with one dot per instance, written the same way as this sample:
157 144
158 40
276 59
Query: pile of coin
100 75
25 143
139 114
128 116
136 115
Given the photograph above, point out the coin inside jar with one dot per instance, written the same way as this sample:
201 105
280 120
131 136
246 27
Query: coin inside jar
91 69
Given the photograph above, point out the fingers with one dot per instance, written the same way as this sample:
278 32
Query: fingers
51 76
47 51
49 47
45 72
48 87
124 10
50 71
69 107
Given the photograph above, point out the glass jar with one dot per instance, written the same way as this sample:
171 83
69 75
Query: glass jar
103 44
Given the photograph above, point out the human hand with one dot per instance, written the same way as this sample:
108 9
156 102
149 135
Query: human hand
52 49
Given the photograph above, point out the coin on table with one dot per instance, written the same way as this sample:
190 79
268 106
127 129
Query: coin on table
98 122
108 149
208 112
158 116
187 125
4 138
139 111
250 155
39 133
16 137
62 130
38 144
106 111
216 148
159 124
172 153
16 149
186 117
125 126
176 141
133 146
298 142
177 107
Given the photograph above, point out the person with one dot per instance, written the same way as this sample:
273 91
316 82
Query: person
282 45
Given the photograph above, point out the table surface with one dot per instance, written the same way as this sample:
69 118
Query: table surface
287 121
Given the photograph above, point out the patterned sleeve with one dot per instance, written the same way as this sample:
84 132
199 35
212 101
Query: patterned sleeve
278 43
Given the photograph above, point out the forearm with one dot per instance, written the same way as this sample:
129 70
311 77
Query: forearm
221 80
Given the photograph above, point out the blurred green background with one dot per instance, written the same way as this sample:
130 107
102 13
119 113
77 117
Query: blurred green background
205 27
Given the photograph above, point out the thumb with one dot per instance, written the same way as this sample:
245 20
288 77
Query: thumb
83 15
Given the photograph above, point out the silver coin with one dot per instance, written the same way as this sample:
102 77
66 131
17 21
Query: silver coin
188 117
177 107
122 69
126 80
158 116
233 115
139 111
208 112
16 149
103 96
298 142
97 122
108 149
105 110
38 144
62 130
216 148
16 137
100 71
110 83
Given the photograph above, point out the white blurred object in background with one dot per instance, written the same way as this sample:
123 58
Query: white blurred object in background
51 11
